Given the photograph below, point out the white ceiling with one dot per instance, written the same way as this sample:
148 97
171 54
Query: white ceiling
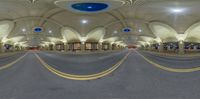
137 14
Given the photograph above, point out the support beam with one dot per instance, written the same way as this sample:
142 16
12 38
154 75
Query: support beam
110 46
47 47
100 46
82 46
1 47
161 47
181 47
66 47
54 47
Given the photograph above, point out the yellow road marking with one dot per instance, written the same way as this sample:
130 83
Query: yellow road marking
12 63
83 77
170 69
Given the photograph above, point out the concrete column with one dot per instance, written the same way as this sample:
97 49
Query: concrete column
66 47
1 47
13 48
118 48
54 47
149 47
110 46
20 48
47 47
168 48
181 47
100 46
146 47
82 46
161 47
195 48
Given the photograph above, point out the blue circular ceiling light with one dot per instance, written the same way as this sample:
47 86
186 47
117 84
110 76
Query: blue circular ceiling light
89 7
38 29
127 29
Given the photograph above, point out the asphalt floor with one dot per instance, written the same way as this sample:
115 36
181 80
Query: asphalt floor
134 79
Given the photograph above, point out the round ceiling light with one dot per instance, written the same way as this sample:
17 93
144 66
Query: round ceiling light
177 10
126 29
37 29
90 6
84 21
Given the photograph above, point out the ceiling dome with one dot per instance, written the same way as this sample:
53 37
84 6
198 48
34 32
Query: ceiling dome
90 6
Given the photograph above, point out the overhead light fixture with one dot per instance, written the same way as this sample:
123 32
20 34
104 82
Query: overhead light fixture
84 21
89 7
23 30
177 10
33 1
50 31
115 32
140 30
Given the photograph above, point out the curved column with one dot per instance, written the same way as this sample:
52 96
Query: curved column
110 46
161 47
1 47
82 46
181 47
100 46
66 47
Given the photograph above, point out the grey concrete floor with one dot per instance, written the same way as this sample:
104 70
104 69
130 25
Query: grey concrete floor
174 61
84 64
6 59
135 79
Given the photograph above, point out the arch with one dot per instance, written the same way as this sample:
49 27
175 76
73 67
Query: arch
146 39
15 39
5 29
193 33
163 31
53 39
70 35
111 39
96 35
142 43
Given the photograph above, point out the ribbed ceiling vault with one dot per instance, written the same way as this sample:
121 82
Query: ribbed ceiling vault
139 15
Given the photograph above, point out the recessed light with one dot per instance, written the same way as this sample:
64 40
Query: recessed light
89 7
127 29
115 32
33 1
84 21
38 29
177 10
50 31
140 30
24 30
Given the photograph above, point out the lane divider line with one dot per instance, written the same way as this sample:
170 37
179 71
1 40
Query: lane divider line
12 63
82 77
176 70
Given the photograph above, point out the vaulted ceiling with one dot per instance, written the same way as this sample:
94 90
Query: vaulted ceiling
176 15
